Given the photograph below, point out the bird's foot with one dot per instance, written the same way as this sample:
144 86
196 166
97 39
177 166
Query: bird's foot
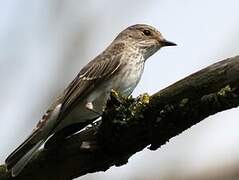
95 125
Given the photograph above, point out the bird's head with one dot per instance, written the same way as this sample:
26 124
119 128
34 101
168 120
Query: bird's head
147 38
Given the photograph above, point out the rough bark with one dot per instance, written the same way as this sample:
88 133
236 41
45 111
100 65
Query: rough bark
129 125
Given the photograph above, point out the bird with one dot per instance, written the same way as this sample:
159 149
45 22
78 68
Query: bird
119 67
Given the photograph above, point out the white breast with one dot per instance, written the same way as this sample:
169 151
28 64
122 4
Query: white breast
129 76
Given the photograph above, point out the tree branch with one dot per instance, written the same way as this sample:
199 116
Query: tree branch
129 125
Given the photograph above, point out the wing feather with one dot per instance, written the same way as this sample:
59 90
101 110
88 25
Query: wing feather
95 72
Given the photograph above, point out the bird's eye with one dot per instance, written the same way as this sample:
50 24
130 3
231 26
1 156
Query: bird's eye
147 32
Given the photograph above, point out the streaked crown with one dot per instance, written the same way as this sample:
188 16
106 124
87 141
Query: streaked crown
147 38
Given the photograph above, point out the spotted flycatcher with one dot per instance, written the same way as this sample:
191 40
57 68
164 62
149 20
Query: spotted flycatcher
119 67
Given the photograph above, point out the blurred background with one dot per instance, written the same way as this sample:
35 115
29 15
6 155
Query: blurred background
44 44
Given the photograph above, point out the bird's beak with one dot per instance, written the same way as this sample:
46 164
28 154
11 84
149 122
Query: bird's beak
165 42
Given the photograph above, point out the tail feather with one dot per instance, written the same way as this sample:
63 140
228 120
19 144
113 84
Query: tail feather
26 146
18 167
19 158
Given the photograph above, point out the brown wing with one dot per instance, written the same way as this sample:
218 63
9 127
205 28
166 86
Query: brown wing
98 70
